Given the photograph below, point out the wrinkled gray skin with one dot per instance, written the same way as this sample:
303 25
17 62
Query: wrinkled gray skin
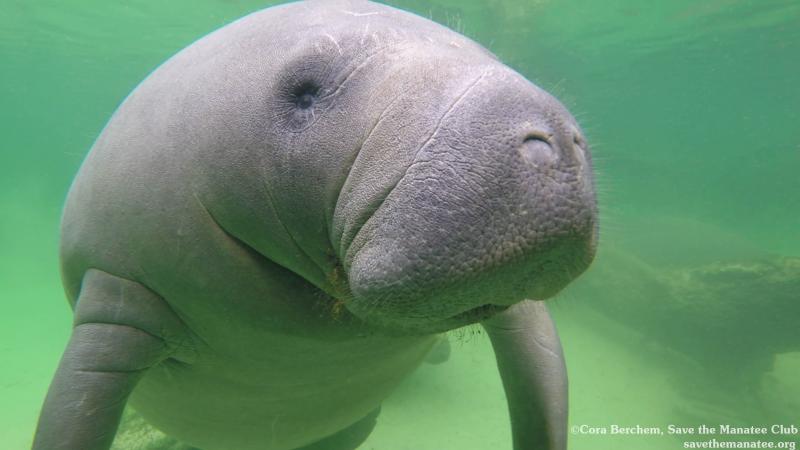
273 227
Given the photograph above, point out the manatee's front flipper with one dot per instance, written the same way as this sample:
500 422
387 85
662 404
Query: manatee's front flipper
121 329
534 376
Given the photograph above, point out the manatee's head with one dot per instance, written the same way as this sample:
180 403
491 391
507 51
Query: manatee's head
468 188
472 191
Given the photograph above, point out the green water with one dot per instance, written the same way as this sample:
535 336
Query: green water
693 110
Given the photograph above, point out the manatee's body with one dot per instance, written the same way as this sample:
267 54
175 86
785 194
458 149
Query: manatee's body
273 227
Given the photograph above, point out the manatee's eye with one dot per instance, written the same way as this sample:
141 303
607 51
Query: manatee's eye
305 88
305 101
301 101
305 95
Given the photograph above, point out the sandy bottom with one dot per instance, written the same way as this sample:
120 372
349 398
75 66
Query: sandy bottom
455 405
460 404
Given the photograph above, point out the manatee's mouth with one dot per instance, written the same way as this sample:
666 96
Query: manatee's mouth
477 314
409 326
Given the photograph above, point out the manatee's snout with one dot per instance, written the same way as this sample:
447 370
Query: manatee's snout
497 206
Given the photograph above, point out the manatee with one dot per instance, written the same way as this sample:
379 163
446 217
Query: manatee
276 225
750 304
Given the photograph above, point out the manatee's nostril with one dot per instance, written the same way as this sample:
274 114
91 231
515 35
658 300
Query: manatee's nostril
579 146
578 139
538 151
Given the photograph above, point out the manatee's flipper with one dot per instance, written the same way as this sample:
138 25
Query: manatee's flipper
534 376
440 352
349 438
120 330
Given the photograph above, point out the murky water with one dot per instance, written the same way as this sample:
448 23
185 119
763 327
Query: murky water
690 313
